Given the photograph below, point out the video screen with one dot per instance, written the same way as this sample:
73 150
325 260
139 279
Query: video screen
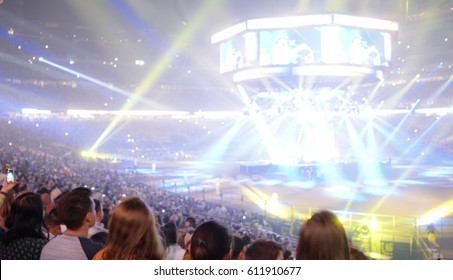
326 44
289 46
239 52
290 41
368 48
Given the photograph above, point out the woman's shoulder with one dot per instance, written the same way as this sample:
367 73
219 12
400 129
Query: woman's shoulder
99 255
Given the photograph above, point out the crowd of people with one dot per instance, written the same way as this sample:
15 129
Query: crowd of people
48 168
61 206
134 234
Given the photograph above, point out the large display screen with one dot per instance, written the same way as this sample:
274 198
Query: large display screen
329 43
239 52
289 46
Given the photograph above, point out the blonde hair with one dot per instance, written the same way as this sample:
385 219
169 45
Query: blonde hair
132 233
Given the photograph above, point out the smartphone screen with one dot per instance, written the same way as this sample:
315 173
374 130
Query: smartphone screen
9 176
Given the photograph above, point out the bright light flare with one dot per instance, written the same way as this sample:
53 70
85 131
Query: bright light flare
443 210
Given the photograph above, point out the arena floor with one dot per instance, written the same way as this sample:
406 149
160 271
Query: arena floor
412 191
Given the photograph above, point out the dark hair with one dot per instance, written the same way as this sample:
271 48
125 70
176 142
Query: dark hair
263 250
322 237
192 222
106 218
22 187
26 218
238 245
210 241
287 255
356 254
170 233
52 218
73 207
97 205
43 191
100 237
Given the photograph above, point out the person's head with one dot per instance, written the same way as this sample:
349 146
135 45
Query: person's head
238 245
53 222
76 209
26 217
211 241
47 200
356 254
22 188
99 237
190 222
170 233
6 167
431 228
287 255
133 233
106 209
322 237
264 250
98 210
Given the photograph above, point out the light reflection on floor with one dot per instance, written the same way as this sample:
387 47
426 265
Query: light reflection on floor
412 191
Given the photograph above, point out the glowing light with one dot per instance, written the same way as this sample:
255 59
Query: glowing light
29 111
159 68
91 156
139 62
264 201
374 226
218 149
86 77
443 210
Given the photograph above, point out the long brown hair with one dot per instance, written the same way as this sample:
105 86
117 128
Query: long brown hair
132 233
322 237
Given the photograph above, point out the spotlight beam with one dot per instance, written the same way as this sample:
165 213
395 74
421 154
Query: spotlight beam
441 89
369 171
217 151
86 77
159 68
406 173
398 127
443 210
267 136
396 97
410 147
